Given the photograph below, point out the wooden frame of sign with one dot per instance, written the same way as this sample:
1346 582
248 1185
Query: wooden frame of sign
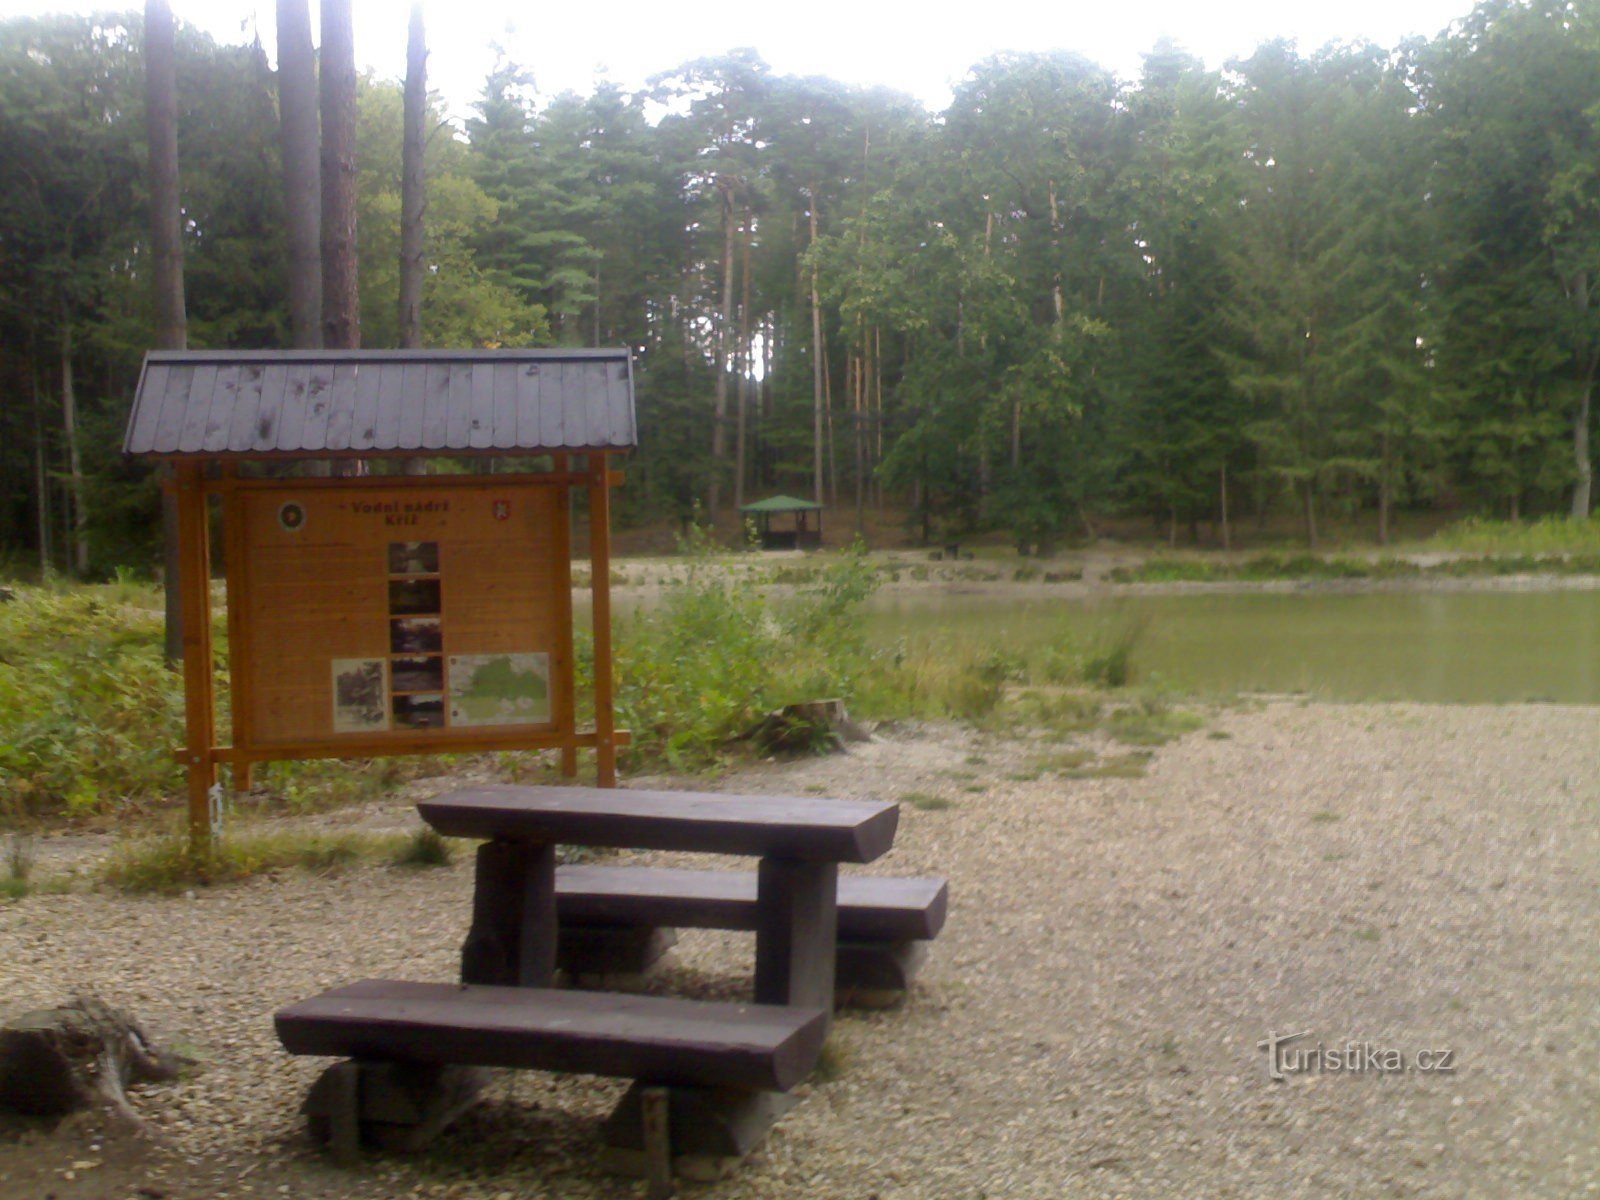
385 615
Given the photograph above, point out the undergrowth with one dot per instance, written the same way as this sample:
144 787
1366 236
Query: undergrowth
715 655
1545 536
1546 560
89 713
169 864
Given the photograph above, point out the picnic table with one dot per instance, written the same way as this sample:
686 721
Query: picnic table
800 842
721 1063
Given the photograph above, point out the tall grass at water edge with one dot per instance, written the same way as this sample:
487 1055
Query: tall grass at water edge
90 714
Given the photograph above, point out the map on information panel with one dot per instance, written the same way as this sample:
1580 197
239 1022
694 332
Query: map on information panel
499 689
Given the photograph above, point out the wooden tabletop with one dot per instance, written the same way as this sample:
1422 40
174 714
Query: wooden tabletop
807 828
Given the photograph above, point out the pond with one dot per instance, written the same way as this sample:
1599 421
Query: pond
1429 646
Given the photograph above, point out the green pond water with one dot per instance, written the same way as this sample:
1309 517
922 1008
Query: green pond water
1443 646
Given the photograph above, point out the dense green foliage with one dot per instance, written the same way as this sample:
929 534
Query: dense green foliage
1327 283
90 716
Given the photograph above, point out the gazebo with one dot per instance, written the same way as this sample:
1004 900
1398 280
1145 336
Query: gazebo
800 537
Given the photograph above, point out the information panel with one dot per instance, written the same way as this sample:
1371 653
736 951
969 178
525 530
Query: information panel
375 612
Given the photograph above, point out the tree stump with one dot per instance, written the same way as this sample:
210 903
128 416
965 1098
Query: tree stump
56 1061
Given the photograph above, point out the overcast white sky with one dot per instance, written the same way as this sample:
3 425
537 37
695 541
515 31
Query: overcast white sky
922 48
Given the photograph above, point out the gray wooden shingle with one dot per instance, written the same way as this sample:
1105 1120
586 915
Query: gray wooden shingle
317 403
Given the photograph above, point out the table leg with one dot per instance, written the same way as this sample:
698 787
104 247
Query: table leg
512 941
797 931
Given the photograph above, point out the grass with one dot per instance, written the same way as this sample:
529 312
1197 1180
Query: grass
424 848
1325 817
89 712
1151 721
1505 558
926 801
18 881
1114 766
1062 760
1544 536
165 865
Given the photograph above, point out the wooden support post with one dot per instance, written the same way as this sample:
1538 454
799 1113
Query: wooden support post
605 720
565 667
656 1103
708 1130
344 1116
235 568
512 941
798 927
194 550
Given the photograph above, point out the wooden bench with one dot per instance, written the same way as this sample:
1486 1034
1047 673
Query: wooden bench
400 1035
617 920
708 1077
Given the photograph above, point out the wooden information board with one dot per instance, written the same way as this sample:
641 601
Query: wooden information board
424 615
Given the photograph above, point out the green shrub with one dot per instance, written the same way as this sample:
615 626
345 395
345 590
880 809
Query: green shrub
89 713
704 665
1547 535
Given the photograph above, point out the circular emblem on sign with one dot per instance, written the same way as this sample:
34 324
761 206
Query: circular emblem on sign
292 516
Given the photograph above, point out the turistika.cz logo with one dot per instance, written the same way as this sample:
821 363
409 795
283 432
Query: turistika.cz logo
1289 1054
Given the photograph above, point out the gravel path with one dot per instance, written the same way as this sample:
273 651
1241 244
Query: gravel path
1417 878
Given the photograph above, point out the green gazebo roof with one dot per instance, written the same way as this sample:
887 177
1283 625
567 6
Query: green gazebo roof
780 504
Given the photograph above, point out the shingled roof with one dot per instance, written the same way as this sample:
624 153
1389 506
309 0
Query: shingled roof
377 403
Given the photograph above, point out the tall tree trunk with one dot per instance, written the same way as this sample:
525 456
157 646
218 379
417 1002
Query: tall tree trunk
1311 515
41 474
745 356
1383 491
818 368
413 183
166 243
858 375
1580 441
161 128
341 307
69 425
1222 489
833 449
299 141
719 423
1578 293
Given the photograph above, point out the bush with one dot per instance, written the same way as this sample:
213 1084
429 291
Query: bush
1547 535
89 713
714 656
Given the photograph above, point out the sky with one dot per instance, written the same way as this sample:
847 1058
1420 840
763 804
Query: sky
921 48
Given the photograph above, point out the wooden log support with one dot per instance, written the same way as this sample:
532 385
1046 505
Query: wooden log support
512 941
655 1103
710 1130
876 974
604 956
343 1097
796 931
398 1107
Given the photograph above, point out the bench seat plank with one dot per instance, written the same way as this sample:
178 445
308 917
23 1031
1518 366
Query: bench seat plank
805 828
656 1040
871 908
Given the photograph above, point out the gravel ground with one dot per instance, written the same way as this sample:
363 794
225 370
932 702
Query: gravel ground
1417 878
